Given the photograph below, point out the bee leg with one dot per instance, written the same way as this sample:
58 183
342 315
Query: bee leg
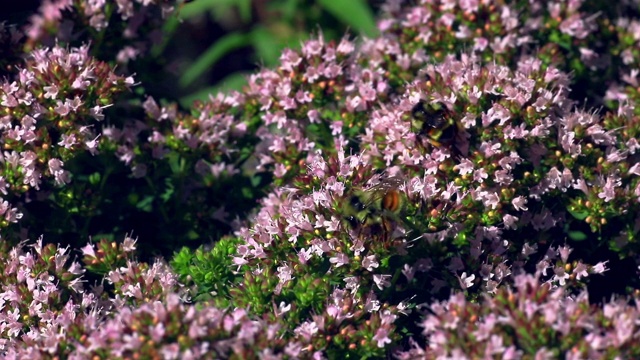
362 226
424 147
434 143
387 230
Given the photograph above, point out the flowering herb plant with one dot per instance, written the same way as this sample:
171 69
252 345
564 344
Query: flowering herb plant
466 184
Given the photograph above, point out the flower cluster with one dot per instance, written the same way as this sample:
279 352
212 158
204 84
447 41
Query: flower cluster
42 298
624 91
532 320
47 116
559 33
169 329
135 22
47 311
448 168
294 97
523 162
372 255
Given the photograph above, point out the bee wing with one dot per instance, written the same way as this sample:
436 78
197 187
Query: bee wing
369 197
387 183
377 191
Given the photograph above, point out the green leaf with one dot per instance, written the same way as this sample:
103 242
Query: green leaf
355 13
578 66
176 163
255 181
579 215
168 191
245 153
193 235
577 235
560 39
247 193
222 47
181 260
94 179
146 203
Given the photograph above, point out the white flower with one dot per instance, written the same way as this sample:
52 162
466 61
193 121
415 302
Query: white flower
467 281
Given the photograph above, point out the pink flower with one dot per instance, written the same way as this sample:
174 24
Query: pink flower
382 337
382 281
339 259
370 262
466 281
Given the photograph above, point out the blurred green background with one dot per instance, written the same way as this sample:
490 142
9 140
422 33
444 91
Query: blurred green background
212 45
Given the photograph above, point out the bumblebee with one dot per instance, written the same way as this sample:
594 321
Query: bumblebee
434 123
378 210
374 210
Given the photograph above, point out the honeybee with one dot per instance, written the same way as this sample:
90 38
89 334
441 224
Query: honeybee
375 209
433 122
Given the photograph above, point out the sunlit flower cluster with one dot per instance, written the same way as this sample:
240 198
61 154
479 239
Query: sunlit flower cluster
48 115
452 188
530 319
136 22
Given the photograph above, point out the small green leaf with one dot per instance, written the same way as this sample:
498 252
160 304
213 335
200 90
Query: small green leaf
560 39
255 181
94 179
577 235
176 163
579 215
192 235
166 195
146 203
247 193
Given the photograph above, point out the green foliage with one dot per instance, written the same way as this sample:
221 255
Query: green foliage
210 271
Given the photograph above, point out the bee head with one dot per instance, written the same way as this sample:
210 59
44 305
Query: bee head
428 116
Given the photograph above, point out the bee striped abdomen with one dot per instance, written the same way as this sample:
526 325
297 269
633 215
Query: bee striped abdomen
391 200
